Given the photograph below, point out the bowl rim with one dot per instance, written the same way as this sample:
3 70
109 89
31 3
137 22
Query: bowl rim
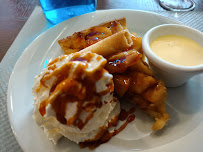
153 58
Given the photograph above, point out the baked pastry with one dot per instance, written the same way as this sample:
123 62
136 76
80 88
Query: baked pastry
133 79
85 38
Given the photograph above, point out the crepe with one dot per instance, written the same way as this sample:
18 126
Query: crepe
111 45
85 38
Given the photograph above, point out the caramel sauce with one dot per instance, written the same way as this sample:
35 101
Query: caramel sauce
129 119
42 81
60 76
110 88
124 114
92 41
80 35
92 38
96 34
91 34
106 136
38 89
101 137
52 67
78 88
99 58
54 61
120 62
80 124
78 42
42 108
86 58
89 107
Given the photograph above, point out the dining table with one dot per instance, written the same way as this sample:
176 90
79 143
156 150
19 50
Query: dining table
17 18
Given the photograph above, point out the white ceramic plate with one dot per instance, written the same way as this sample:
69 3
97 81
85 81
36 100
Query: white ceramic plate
185 104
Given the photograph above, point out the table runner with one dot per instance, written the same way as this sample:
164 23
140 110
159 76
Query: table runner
28 33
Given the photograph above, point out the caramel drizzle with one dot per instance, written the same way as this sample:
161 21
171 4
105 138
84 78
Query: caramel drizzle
105 136
119 63
74 89
124 114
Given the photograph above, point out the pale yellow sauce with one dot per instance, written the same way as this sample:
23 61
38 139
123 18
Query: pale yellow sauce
178 50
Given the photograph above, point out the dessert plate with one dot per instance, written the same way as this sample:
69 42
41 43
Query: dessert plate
184 104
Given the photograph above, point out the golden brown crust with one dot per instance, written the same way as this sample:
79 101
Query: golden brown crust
85 38
112 44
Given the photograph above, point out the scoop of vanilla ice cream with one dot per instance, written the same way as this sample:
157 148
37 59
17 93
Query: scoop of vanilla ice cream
74 98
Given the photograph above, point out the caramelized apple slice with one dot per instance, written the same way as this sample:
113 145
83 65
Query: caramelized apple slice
138 100
156 94
140 82
121 84
120 62
152 101
142 67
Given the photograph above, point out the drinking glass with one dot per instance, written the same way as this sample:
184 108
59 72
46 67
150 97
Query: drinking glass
177 5
57 11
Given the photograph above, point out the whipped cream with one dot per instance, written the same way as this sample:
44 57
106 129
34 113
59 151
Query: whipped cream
92 105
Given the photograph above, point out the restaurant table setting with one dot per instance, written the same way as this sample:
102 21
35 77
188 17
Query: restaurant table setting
31 31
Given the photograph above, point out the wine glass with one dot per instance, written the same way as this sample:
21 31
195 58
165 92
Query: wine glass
177 5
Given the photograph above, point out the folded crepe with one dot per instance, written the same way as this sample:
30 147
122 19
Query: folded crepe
111 45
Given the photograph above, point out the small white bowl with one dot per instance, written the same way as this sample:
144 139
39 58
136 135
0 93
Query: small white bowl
173 75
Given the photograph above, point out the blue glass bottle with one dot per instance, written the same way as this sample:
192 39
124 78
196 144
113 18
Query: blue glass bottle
57 11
